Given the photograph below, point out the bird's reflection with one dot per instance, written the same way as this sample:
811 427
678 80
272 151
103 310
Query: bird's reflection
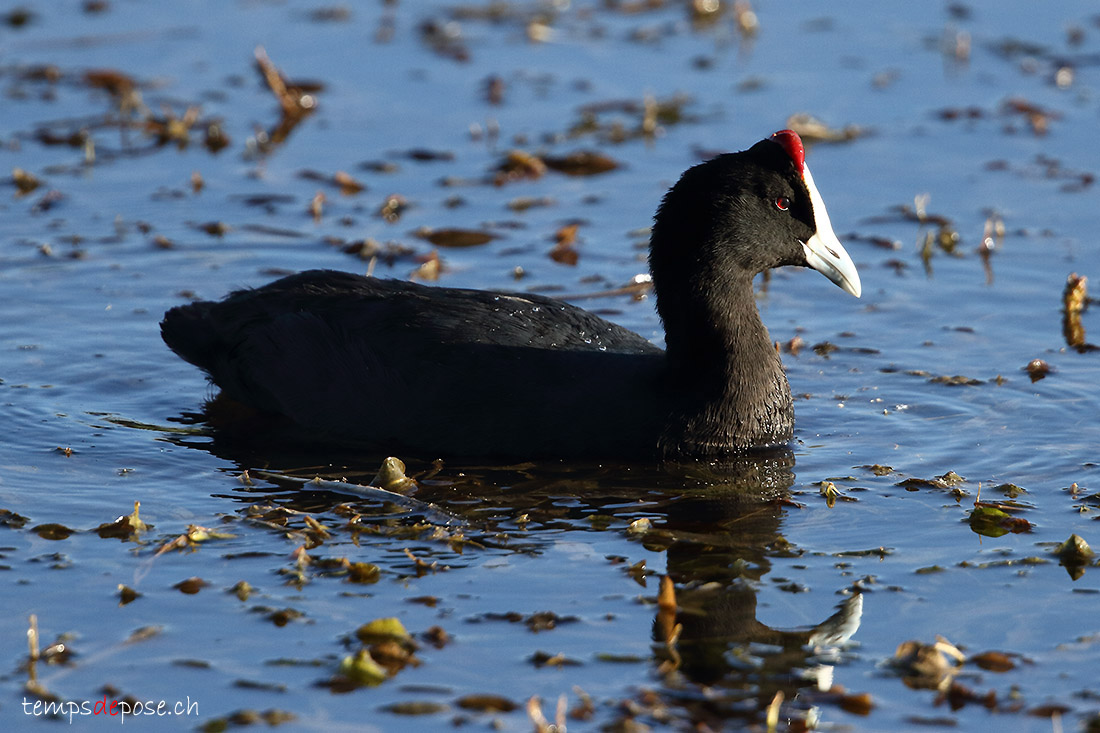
722 539
719 525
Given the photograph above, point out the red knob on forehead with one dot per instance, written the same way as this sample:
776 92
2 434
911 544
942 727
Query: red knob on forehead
792 143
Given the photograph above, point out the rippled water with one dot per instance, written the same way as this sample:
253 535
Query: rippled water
989 108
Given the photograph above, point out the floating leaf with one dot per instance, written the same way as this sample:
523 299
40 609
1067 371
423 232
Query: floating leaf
190 586
284 616
382 629
393 206
12 520
215 228
1074 551
1037 369
24 181
956 381
546 620
925 665
144 633
429 268
124 528
1010 490
993 661
53 531
437 637
518 165
581 163
364 572
860 704
391 476
946 481
542 659
813 130
486 703
523 203
992 521
347 184
242 718
394 656
361 669
415 707
455 237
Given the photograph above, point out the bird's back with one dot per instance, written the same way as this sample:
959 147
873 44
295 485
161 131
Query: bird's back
436 370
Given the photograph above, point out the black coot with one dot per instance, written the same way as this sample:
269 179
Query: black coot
433 371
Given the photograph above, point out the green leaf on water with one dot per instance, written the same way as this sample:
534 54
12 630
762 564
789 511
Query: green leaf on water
992 521
361 669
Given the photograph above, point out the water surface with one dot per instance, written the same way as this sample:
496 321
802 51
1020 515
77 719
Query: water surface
542 580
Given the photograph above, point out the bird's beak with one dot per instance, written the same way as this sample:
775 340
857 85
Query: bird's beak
824 252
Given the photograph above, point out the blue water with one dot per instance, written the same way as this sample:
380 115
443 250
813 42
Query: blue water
82 367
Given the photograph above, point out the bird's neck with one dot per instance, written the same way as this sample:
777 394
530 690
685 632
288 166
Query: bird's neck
732 393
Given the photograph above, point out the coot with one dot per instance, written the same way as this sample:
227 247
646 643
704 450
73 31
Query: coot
433 371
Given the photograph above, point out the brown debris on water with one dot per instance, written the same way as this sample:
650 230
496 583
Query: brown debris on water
1038 369
170 128
1038 118
248 717
517 166
581 163
993 237
1075 299
126 595
486 703
523 203
618 121
494 87
445 39
958 380
121 86
126 527
993 519
316 205
191 539
948 480
428 270
927 666
455 237
342 180
812 130
12 520
296 100
393 206
1047 168
1074 554
214 228
53 531
565 251
542 725
24 181
214 137
994 661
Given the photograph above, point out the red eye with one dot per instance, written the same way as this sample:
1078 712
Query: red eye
782 203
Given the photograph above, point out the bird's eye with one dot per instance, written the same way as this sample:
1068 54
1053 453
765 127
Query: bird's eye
782 203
